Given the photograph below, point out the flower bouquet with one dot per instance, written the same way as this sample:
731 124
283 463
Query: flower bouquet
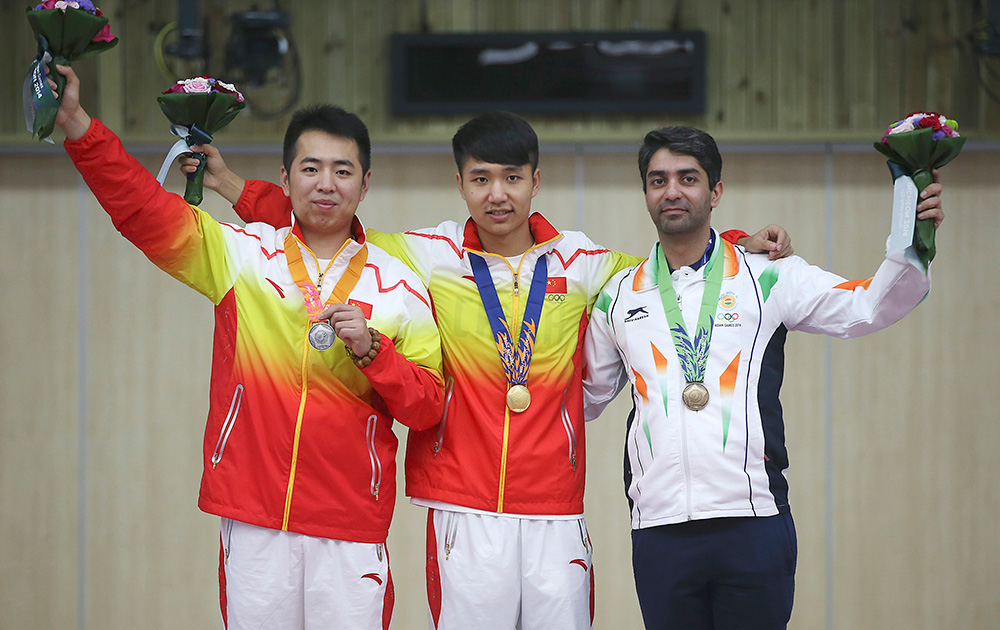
915 146
198 108
65 31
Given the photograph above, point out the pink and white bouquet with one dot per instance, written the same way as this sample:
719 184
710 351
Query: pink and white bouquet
66 30
197 108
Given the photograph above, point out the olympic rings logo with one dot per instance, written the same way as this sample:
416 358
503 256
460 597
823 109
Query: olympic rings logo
729 317
555 297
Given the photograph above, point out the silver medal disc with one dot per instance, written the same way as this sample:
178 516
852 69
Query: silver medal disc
321 336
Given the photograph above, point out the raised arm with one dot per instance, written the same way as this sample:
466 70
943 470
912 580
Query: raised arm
180 239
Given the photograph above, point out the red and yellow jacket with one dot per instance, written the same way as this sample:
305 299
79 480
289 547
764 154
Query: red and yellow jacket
482 455
296 439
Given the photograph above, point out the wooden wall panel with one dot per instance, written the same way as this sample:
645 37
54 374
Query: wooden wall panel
777 70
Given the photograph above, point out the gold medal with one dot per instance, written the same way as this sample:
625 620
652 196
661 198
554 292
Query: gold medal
518 398
695 396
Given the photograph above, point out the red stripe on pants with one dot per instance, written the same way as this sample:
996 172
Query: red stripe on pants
433 571
222 582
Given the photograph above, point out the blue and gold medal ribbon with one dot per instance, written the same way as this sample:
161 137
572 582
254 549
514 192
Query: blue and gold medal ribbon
515 361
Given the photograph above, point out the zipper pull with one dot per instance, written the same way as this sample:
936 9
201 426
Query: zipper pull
515 287
437 448
378 548
447 550
376 491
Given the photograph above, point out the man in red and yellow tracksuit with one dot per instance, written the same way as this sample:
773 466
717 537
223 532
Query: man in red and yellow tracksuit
299 453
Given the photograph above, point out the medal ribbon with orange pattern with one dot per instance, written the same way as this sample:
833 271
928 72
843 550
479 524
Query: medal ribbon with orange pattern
311 294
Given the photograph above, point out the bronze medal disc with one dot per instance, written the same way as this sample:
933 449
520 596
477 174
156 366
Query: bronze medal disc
695 396
518 398
321 336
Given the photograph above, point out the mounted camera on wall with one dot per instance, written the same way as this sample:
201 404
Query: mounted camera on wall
260 55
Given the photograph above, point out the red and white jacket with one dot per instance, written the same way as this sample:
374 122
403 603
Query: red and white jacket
296 439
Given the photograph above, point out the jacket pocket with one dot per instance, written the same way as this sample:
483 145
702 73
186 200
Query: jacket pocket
449 390
373 455
450 532
227 426
570 431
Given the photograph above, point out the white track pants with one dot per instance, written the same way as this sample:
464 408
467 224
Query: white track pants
486 572
285 581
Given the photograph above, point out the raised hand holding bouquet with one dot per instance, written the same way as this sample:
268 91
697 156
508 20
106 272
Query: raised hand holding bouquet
198 108
915 146
65 31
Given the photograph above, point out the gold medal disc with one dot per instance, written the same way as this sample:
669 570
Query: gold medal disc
518 398
695 396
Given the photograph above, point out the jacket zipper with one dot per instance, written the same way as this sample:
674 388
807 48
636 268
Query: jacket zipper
227 425
449 390
515 309
303 370
684 460
570 433
373 456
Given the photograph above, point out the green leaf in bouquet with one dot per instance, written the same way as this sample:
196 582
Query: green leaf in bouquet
946 150
222 109
210 111
918 150
70 34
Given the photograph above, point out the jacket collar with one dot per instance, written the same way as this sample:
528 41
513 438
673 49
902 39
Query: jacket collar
350 247
545 234
645 274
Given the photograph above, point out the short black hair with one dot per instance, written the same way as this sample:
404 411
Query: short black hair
684 141
496 138
330 119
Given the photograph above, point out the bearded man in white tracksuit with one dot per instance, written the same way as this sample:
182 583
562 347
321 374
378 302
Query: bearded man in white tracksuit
697 330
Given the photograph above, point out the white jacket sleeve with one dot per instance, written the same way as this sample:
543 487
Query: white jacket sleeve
822 302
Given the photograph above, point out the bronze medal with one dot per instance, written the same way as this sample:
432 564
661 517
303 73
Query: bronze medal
518 398
321 335
695 396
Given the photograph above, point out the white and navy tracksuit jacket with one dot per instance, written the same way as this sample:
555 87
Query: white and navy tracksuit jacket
728 459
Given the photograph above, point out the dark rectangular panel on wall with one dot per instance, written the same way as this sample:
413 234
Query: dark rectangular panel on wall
550 73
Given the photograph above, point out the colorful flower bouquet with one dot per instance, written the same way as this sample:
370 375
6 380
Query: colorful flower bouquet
65 31
198 108
915 146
